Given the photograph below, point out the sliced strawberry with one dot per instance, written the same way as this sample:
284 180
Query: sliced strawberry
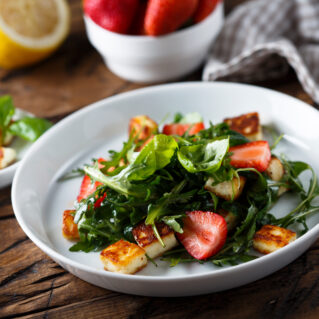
254 154
88 187
204 234
181 129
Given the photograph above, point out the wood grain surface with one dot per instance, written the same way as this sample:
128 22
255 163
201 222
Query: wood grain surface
33 286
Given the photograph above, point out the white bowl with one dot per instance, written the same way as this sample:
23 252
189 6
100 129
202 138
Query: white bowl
154 59
39 199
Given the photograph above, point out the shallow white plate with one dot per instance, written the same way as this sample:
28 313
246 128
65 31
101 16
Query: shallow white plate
39 199
20 146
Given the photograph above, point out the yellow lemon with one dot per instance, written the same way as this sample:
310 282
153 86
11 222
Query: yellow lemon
30 30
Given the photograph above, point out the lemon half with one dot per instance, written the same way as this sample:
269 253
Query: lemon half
30 30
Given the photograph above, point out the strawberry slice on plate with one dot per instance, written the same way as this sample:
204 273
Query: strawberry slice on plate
204 234
181 129
254 154
88 187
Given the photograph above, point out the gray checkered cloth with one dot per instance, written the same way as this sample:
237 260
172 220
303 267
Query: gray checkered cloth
261 38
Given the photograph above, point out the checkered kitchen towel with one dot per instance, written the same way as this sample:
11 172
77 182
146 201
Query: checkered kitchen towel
261 37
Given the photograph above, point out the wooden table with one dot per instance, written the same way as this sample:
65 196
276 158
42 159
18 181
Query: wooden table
32 285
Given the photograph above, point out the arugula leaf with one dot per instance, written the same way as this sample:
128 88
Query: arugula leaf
200 158
154 156
171 222
155 211
220 131
29 128
6 112
76 172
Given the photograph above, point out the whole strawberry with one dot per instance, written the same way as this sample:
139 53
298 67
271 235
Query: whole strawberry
204 9
165 16
113 15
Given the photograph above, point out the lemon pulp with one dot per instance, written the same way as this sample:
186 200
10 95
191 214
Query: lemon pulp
30 30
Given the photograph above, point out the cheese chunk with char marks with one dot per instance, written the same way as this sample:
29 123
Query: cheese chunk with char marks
7 156
69 227
247 125
229 190
270 238
276 172
146 238
123 257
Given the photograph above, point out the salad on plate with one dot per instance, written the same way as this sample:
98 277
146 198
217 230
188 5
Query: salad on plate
16 124
189 193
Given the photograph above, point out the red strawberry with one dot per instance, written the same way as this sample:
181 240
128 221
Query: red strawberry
88 187
113 15
204 9
165 16
204 234
254 154
181 129
137 27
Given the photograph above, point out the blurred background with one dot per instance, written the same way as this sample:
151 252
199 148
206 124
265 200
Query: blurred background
75 75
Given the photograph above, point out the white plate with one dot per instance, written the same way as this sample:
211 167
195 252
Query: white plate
39 199
20 146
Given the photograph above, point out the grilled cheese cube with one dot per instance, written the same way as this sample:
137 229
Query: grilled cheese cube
69 227
229 190
270 238
230 218
276 171
146 239
123 257
247 125
7 156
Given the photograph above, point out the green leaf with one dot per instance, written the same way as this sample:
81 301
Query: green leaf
6 110
200 158
156 210
171 222
30 128
154 156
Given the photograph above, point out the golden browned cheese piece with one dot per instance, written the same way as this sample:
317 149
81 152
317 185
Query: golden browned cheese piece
229 190
270 238
69 227
247 125
145 238
123 257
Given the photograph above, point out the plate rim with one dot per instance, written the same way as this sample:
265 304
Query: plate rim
145 278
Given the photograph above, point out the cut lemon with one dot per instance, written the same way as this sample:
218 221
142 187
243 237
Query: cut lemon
30 30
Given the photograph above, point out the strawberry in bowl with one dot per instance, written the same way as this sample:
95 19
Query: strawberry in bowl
152 41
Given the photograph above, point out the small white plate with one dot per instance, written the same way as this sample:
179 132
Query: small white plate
39 199
20 146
